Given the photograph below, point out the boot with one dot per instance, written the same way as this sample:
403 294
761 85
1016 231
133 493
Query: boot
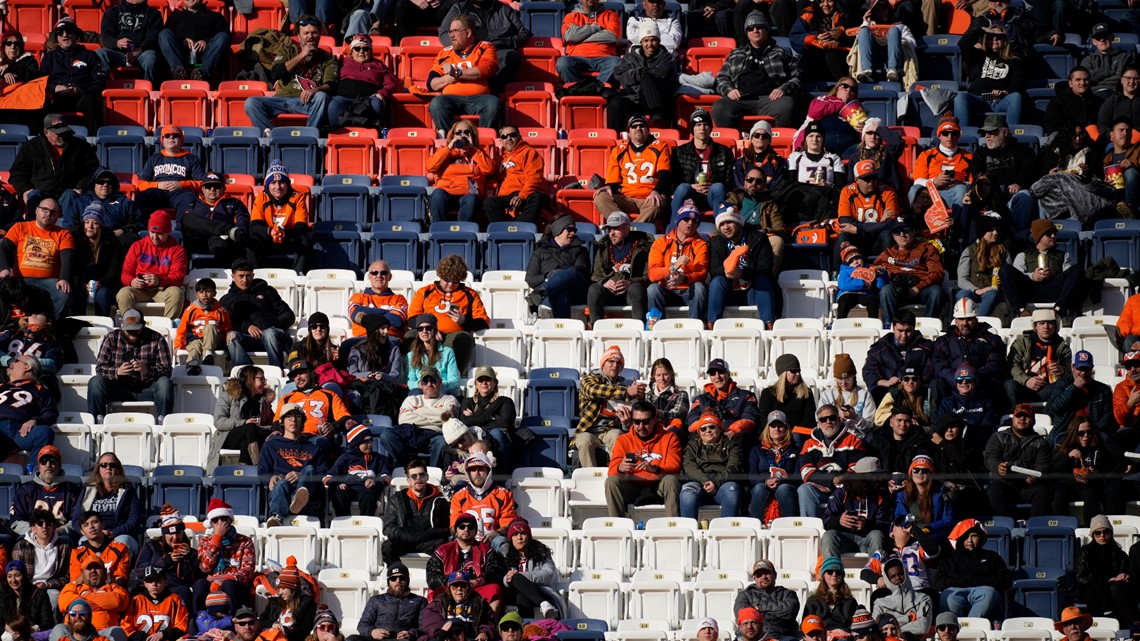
254 452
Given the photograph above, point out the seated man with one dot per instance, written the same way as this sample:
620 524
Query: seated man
1043 274
740 259
678 267
46 491
260 318
302 84
472 554
903 439
325 411
647 79
76 79
1126 395
460 74
120 215
1037 360
280 219
735 406
129 35
195 42
645 464
1084 396
499 24
1125 155
154 269
102 601
759 207
971 580
858 515
638 176
215 223
969 342
27 408
867 209
155 610
702 167
134 364
904 346
592 35
415 520
1011 167
521 197
40 251
294 462
394 613
831 451
777 606
758 78
915 272
420 422
1076 103
604 400
1022 447
491 503
669 26
171 176
621 269
98 545
378 299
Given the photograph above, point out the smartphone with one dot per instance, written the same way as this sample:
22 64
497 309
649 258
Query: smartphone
898 477
632 458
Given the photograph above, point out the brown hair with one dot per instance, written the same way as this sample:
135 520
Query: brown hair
452 267
117 481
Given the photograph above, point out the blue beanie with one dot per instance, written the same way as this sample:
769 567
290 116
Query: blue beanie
16 564
831 563
277 171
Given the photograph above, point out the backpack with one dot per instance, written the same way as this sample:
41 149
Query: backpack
268 47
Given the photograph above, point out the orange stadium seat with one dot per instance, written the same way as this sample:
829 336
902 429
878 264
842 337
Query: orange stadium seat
32 16
410 110
545 142
582 112
268 14
685 105
240 186
579 203
416 62
128 102
88 14
782 138
588 151
530 104
406 150
185 102
229 101
352 151
539 60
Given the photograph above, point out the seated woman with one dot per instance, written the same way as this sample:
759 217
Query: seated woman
671 402
835 112
362 77
711 462
995 77
377 365
882 35
881 145
979 264
909 393
317 349
116 499
244 413
461 168
489 409
532 577
18 66
820 37
812 163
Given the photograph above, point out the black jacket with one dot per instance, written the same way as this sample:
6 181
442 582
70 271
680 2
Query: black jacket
887 358
981 348
895 456
393 613
34 168
1096 402
25 68
835 617
1117 106
77 66
139 22
1014 164
1067 109
33 603
758 260
497 23
108 269
408 522
261 305
196 25
638 260
488 412
549 257
634 66
963 568
686 164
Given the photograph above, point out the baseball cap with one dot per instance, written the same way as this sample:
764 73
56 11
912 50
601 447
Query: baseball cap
1101 29
1083 359
172 129
1023 408
717 365
1131 356
511 618
992 123
214 178
776 416
153 572
132 320
57 124
485 372
763 565
812 623
866 168
965 370
397 569
616 219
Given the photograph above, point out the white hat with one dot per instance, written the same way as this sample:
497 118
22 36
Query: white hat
1043 316
965 308
647 28
729 213
871 124
709 622
453 430
761 125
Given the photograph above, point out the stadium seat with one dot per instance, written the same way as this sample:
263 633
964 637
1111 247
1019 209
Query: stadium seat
504 293
940 57
680 340
236 150
1052 62
1118 239
595 593
133 441
880 101
542 18
354 541
122 149
530 104
657 592
595 625
730 538
552 392
406 151
128 102
707 54
298 148
410 110
184 102
329 289
454 237
197 393
501 347
741 342
182 486
1049 546
540 59
344 597
397 243
186 439
346 197
714 590
607 543
581 112
1035 593
240 486
670 544
627 334
550 443
267 14
805 293
403 198
32 16
301 542
557 341
509 245
793 543
539 500
352 151
337 245
229 101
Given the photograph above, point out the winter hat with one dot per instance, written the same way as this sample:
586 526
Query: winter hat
813 127
886 619
699 115
170 519
849 253
871 125
613 351
358 435
216 508
94 211
861 622
786 362
922 461
728 213
708 622
647 28
844 364
217 601
453 430
755 19
17 565
988 220
1040 227
830 563
687 211
277 171
516 526
318 318
964 527
749 614
511 618
560 224
1098 523
159 223
290 576
708 418
324 615
79 604
761 126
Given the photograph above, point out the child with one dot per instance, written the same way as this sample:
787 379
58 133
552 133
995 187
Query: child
357 474
858 284
216 616
208 321
914 547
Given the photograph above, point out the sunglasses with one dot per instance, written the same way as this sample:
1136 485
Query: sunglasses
171 136
418 476
424 328
845 86
572 230
429 380
78 613
1102 533
219 518
464 132
793 371
360 49
947 627
717 372
108 466
393 579
756 28
43 523
640 421
834 572
318 326
466 526
213 186
709 428
777 426
952 134
920 470
639 126
510 627
308 23
963 380
245 623
910 379
1084 432
761 134
106 181
829 418
753 180
14 43
905 231
379 272
327 626
49 460
513 134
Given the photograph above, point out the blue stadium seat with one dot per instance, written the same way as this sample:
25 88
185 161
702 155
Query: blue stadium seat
551 392
193 140
403 198
22 130
1053 521
1000 540
580 635
618 6
298 148
345 197
1049 547
1028 134
240 486
1035 593
1119 239
939 57
397 243
509 245
1070 241
551 442
543 19
122 149
10 142
8 484
881 100
337 245
454 237
1052 62
182 486
648 228
236 150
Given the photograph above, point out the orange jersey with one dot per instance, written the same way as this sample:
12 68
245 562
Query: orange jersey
666 249
145 615
320 405
37 250
522 171
933 162
115 557
370 302
636 171
294 212
482 57
876 208
607 19
495 511
195 317
430 299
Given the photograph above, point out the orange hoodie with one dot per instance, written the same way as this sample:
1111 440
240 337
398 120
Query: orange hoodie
430 299
666 247
107 602
1125 416
662 449
294 212
607 19
522 171
454 169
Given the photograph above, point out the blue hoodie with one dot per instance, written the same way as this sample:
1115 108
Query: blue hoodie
119 211
850 285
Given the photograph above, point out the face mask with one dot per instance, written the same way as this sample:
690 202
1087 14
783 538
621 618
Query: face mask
7 636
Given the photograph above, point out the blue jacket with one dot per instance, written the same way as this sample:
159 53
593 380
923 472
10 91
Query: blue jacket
849 285
206 621
228 210
78 67
982 348
389 612
119 211
977 411
280 455
878 511
126 518
761 460
942 511
352 467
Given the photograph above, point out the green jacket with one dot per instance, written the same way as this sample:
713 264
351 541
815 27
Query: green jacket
1027 353
719 462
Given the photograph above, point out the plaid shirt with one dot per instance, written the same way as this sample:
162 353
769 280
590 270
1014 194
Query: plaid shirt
779 64
594 392
152 349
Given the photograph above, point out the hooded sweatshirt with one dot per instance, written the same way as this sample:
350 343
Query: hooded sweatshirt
1106 68
521 171
492 504
182 166
661 449
48 563
168 261
119 211
139 22
913 610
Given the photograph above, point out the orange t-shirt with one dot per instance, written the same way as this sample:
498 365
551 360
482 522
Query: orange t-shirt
37 250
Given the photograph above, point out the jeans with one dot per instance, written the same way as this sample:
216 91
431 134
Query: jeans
696 296
986 302
571 68
58 298
868 48
262 110
102 391
502 442
340 104
786 499
445 108
401 442
966 103
932 297
972 602
952 196
147 61
177 54
1131 185
810 497
325 10
282 493
836 542
1022 209
716 195
36 438
693 496
440 202
275 341
565 287
760 294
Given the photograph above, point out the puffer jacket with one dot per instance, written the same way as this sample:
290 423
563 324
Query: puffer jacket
1096 402
887 358
778 605
1032 452
718 462
548 257
981 348
395 613
634 66
119 211
976 410
914 610
1096 563
735 408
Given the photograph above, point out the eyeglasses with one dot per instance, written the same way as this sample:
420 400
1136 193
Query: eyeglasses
360 49
508 136
754 179
828 418
379 272
49 210
107 465
424 328
1130 78
466 526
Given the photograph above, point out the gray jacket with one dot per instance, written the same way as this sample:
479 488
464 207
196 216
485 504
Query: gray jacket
902 602
1105 68
496 23
779 607
392 613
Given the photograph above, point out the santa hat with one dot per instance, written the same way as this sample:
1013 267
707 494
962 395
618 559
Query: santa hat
290 576
218 507
217 601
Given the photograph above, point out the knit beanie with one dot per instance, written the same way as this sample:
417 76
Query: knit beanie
786 362
1039 228
613 351
277 171
843 365
358 435
290 576
217 601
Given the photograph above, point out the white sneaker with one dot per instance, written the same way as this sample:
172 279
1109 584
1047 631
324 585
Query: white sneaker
548 610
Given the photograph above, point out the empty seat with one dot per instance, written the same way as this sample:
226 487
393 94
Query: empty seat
345 197
543 18
182 486
509 245
236 150
122 149
550 444
239 486
229 101
1118 239
184 102
552 392
504 294
454 237
352 151
403 198
398 244
298 148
